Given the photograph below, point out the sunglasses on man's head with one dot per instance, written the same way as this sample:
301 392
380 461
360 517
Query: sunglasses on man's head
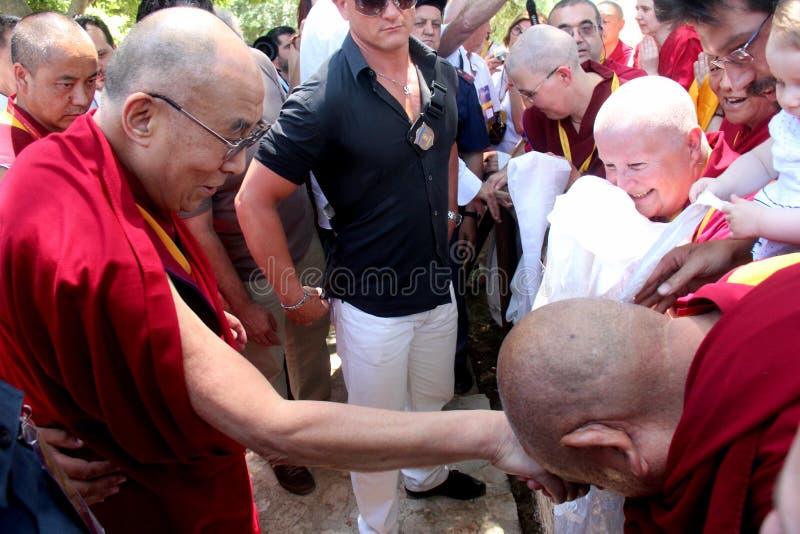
373 8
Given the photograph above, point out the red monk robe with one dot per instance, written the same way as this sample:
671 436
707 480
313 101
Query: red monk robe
714 225
543 133
622 54
677 55
624 72
88 329
743 139
741 412
17 130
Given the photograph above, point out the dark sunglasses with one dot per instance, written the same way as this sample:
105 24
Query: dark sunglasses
373 8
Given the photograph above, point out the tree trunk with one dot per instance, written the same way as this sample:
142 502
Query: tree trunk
19 8
76 7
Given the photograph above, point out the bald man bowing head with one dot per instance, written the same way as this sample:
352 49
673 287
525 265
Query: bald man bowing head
689 418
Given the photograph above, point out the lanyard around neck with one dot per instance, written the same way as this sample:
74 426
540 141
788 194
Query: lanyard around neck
562 136
169 244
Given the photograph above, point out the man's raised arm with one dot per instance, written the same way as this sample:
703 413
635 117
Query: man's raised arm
256 208
469 17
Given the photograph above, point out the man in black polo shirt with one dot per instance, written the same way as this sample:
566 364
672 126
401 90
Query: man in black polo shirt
377 126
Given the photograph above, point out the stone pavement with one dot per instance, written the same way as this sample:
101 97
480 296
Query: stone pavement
331 507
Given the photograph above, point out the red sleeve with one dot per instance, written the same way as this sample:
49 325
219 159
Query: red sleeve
678 54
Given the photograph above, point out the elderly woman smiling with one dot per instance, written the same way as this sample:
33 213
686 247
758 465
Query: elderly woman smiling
652 146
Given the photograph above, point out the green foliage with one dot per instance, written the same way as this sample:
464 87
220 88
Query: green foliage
512 10
49 5
257 18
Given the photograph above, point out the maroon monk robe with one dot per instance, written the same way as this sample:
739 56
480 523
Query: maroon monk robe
18 129
89 330
741 412
622 54
677 55
624 72
542 133
743 139
714 225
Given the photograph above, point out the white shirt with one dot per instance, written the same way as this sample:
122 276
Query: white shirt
323 33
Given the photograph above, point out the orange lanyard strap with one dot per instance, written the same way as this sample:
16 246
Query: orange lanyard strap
562 136
170 245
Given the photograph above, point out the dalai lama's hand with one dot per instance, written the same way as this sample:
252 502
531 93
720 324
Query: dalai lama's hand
259 324
511 458
95 481
684 269
238 331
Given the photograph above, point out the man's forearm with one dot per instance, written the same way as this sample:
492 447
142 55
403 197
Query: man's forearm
474 13
318 433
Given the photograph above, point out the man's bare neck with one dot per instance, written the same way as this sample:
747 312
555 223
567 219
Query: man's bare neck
392 63
7 87
610 46
585 82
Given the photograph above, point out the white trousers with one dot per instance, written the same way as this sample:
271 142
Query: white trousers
396 363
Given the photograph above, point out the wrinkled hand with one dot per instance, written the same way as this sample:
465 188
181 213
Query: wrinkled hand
493 63
314 308
701 185
686 268
239 335
701 68
511 458
259 324
648 55
491 164
496 186
488 197
95 481
744 217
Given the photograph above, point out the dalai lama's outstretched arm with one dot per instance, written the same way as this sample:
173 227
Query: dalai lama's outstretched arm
231 395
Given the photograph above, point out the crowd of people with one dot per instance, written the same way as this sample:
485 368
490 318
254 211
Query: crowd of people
184 217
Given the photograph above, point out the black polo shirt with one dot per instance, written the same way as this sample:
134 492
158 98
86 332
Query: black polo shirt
390 198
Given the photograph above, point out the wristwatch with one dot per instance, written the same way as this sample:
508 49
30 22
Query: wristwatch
454 216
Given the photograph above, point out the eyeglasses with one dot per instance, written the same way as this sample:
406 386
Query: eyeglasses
739 57
373 8
530 95
586 29
234 147
517 30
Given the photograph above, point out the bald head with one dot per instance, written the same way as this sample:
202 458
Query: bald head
180 89
651 144
611 7
39 37
586 363
176 51
540 49
647 103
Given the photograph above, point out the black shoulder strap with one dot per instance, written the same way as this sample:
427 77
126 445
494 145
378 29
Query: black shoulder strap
438 92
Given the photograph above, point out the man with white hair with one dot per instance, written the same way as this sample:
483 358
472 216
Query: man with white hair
652 146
